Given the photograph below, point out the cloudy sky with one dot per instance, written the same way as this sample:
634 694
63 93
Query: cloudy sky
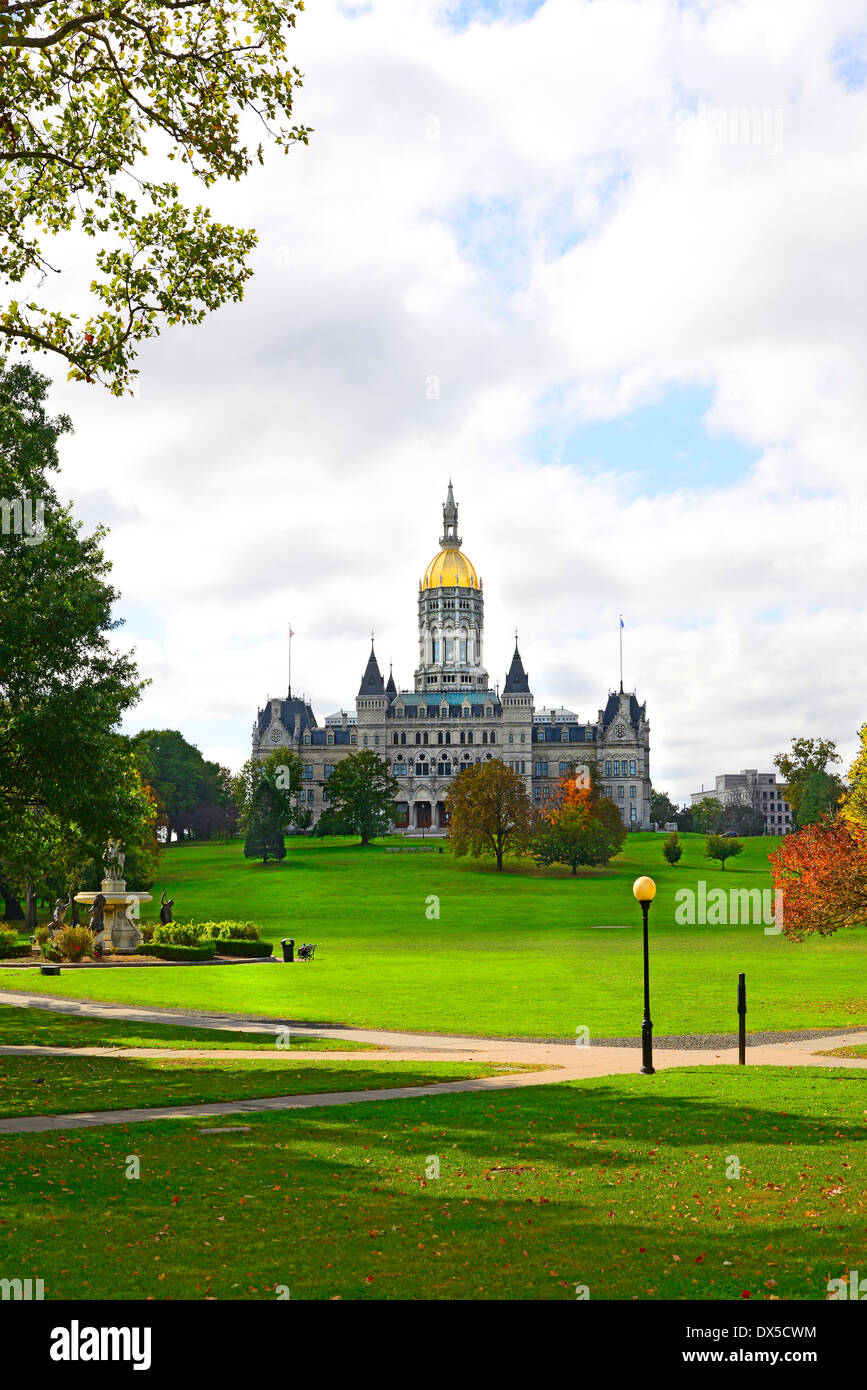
602 264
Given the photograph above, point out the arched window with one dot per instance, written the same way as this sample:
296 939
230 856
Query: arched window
448 735
424 737
444 768
418 737
422 769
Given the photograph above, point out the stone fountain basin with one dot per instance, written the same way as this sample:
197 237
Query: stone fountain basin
119 932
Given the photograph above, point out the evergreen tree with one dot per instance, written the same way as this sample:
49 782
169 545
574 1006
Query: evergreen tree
264 839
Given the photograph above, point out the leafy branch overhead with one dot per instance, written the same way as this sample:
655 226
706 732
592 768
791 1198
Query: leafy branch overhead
87 93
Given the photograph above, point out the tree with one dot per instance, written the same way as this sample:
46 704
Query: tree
264 839
822 874
662 809
63 685
741 816
363 794
672 848
707 814
821 794
807 756
282 771
42 854
12 910
84 92
581 826
195 795
855 802
489 811
722 847
331 823
577 834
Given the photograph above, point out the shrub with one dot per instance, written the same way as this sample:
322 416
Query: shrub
74 942
8 942
226 947
42 934
147 930
672 848
178 934
230 931
165 950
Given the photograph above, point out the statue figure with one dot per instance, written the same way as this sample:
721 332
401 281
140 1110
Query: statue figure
60 910
97 914
166 905
114 859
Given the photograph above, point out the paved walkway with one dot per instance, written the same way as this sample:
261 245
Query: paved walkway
555 1062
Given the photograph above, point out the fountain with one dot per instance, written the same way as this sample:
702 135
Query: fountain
114 909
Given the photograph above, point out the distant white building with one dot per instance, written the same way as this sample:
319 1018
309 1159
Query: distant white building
758 789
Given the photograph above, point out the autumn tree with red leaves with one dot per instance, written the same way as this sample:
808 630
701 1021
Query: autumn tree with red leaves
822 873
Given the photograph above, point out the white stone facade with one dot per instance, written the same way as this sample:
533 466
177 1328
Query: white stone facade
759 789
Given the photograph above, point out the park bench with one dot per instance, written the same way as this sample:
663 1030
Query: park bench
305 952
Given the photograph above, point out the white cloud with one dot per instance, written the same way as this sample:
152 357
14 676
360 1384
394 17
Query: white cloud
284 459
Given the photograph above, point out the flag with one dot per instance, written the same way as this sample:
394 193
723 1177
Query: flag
292 634
622 624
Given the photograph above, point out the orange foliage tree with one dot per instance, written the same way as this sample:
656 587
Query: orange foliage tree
580 826
822 874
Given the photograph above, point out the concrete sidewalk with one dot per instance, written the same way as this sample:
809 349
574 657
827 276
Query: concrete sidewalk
556 1062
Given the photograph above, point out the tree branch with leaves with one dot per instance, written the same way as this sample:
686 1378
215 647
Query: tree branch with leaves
87 93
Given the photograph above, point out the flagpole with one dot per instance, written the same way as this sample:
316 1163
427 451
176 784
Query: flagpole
290 660
621 653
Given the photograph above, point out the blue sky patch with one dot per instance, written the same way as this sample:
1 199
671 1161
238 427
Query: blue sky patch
666 446
849 61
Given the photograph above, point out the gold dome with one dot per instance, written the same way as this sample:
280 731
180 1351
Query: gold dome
452 569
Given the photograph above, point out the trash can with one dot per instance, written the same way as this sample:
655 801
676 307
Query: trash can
288 944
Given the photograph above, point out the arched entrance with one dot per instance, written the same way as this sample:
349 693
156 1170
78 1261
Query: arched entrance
422 815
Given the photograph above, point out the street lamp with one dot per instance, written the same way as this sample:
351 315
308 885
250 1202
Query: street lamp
644 890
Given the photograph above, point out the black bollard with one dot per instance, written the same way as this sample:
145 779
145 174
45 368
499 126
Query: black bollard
742 1020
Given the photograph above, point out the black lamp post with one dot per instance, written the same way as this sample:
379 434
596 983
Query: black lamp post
644 890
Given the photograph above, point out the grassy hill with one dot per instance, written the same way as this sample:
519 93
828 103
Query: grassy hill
512 954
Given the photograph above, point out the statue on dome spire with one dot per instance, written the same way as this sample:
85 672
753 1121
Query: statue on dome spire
450 540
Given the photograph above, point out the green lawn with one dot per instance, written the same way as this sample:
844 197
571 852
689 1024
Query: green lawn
618 1184
856 1050
21 1027
56 1085
511 954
